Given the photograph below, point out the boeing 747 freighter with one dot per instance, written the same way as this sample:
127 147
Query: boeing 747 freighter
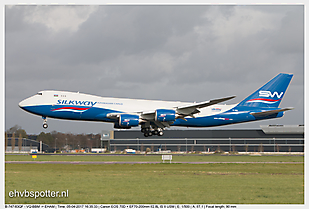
154 115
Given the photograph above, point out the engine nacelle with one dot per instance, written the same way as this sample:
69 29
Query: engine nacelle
163 115
127 120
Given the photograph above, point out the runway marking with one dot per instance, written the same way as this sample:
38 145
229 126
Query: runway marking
119 162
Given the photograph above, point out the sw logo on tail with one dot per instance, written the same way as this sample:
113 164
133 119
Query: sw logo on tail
155 116
269 94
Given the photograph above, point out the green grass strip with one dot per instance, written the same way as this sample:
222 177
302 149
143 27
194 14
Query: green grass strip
157 158
159 183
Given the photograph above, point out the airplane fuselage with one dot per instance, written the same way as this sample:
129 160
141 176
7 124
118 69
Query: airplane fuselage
155 115
79 106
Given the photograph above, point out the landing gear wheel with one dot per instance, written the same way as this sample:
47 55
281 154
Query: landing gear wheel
155 132
160 133
44 122
146 134
150 134
143 130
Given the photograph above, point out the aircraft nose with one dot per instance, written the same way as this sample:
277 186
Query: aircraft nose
24 103
21 104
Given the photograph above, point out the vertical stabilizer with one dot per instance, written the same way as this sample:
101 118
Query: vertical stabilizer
270 94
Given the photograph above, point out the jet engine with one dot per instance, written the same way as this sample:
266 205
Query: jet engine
127 120
163 115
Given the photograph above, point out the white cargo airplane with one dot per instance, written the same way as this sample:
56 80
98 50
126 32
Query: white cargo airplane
154 116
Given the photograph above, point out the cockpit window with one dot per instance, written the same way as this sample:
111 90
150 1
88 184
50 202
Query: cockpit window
39 93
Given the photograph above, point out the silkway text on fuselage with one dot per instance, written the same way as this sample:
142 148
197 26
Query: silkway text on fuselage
74 102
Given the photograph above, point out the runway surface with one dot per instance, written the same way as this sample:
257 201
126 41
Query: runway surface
118 162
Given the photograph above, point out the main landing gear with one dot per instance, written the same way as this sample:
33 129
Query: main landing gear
149 132
44 122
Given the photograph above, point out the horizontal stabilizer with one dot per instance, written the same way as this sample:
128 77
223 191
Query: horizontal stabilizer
270 112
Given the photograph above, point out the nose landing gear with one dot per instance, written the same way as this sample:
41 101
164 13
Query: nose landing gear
44 122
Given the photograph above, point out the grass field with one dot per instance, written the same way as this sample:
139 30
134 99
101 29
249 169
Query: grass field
161 183
157 158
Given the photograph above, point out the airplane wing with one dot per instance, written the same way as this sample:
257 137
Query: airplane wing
183 111
189 110
116 115
270 112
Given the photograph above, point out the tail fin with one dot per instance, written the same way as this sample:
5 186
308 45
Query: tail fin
269 95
